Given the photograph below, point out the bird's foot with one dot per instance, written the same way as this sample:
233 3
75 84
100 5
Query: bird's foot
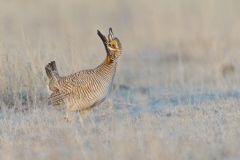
67 119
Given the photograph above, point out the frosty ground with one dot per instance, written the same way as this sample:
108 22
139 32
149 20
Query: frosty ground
129 126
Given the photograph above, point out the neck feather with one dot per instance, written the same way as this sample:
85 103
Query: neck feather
107 69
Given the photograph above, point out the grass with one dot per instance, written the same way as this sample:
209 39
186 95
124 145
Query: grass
176 93
206 131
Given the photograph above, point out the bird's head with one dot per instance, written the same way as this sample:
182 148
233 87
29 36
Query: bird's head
112 45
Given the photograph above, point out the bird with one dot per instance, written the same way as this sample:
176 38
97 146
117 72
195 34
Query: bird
83 90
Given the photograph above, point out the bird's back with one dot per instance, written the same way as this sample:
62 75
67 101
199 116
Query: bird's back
86 88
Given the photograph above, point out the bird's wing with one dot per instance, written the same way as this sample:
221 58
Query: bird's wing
68 86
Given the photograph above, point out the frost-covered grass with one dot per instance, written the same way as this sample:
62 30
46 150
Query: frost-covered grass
194 129
209 130
176 93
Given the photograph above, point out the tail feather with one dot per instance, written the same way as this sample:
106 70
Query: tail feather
51 70
57 97
53 66
48 72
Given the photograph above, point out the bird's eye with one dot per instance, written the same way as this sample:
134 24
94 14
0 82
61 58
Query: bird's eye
112 45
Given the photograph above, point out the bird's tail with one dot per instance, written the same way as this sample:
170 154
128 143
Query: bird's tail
51 70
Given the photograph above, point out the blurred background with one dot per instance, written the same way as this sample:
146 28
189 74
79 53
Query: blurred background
166 43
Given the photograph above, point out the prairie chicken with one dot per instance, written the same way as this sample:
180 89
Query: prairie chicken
85 89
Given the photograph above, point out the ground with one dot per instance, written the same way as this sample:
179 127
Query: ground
182 127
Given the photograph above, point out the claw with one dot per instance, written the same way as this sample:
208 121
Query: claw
67 119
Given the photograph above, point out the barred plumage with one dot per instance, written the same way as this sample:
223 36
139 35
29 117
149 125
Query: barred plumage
83 90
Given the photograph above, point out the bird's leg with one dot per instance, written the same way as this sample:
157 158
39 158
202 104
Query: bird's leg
110 103
82 115
68 116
